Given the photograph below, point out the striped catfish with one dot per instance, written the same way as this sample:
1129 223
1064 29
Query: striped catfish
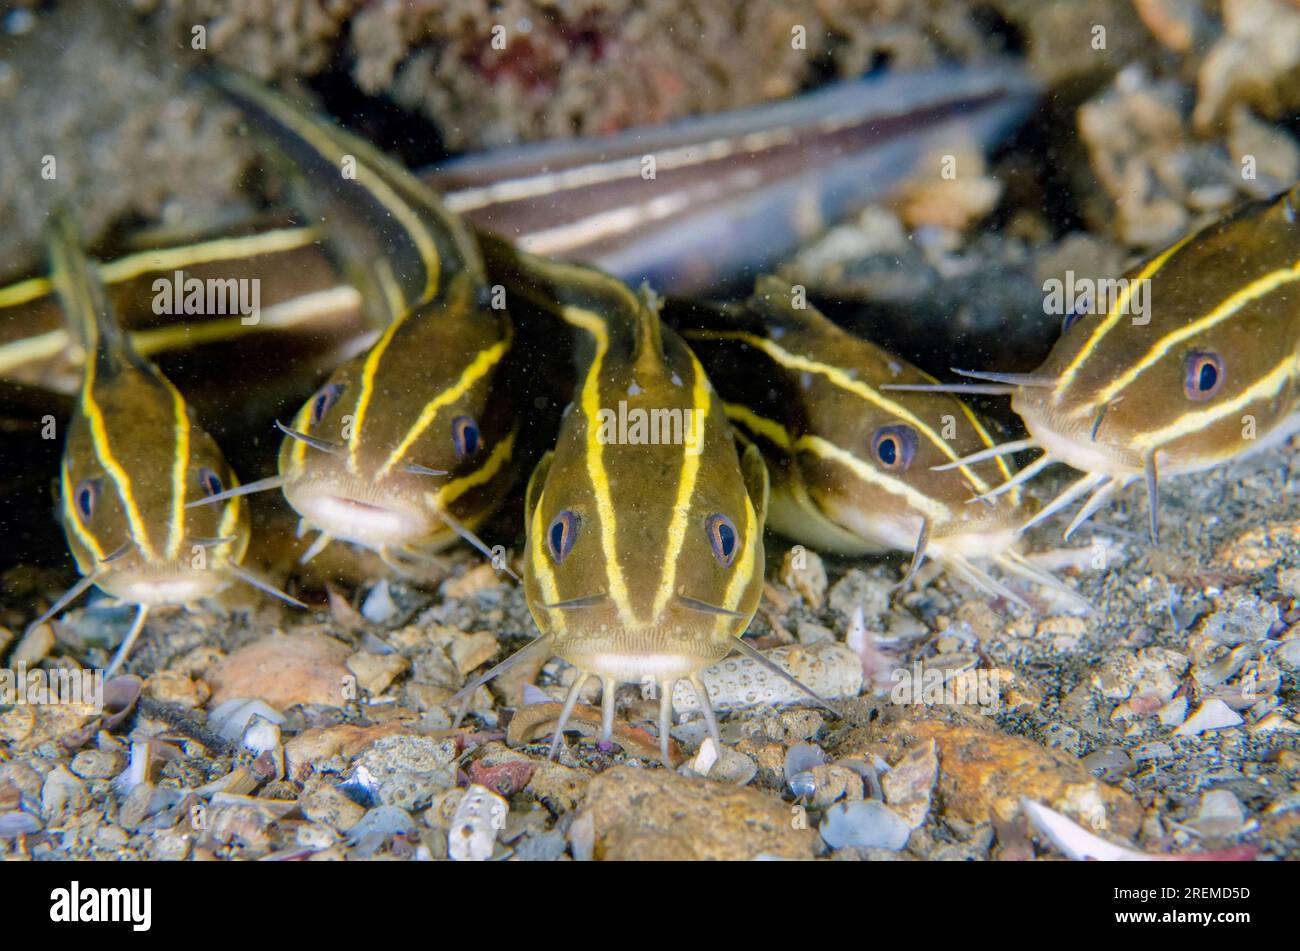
856 469
644 555
730 194
1193 362
133 459
410 444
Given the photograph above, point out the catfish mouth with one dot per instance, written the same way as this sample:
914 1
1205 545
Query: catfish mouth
880 531
1075 444
980 542
968 537
172 584
367 522
649 652
659 666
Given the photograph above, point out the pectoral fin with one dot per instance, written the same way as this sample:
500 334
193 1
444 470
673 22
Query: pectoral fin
757 483
533 494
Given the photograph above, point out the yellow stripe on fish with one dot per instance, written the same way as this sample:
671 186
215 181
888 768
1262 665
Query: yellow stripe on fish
127 528
855 469
425 409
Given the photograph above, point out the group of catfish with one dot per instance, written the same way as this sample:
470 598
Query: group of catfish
687 429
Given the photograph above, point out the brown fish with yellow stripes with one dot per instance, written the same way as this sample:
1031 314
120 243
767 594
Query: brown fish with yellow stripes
1204 371
644 555
855 469
408 445
732 195
133 459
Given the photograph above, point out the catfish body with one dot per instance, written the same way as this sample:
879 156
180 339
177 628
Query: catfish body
1191 361
134 460
644 551
857 468
1194 360
410 444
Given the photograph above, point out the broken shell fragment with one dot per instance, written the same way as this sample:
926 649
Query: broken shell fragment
828 668
867 824
231 718
475 824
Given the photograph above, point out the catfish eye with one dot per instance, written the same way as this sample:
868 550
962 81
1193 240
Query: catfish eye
209 481
723 538
894 447
561 535
1204 375
85 496
324 400
464 436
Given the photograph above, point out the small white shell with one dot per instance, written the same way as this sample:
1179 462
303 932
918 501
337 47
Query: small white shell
865 823
478 818
230 719
378 607
261 735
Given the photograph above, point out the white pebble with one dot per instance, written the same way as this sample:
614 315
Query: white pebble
378 608
261 735
706 757
1213 714
866 823
231 718
1174 712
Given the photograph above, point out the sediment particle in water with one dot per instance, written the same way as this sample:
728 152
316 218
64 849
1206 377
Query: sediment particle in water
173 687
375 672
803 571
318 745
909 784
407 771
63 796
329 805
1255 62
558 787
33 647
830 783
1259 547
1177 24
1220 813
97 764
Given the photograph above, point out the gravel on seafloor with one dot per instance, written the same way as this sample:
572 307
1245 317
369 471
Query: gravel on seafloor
1166 722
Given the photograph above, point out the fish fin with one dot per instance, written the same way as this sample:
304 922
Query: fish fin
918 553
460 700
81 295
757 481
536 482
1152 472
780 304
648 347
